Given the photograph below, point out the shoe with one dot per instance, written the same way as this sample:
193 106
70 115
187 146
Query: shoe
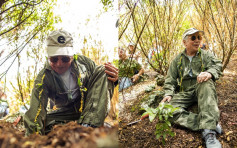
88 125
210 139
107 125
218 129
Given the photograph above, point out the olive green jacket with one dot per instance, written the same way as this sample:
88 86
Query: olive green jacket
178 77
128 67
49 84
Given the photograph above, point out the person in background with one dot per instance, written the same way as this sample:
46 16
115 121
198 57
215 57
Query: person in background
155 52
4 107
203 46
130 70
132 53
77 88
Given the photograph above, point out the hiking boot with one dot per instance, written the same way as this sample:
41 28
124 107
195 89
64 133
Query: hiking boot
88 125
210 139
107 125
218 129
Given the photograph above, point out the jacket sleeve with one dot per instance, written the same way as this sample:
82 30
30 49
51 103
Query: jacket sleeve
34 117
90 65
171 79
98 95
93 68
213 66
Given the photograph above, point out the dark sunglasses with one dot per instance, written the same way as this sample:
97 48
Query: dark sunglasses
193 38
65 59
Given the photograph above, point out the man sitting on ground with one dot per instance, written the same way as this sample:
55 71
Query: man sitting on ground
194 72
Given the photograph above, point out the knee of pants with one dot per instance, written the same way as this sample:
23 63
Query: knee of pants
208 86
125 82
209 83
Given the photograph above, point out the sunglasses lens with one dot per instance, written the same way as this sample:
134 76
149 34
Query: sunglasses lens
65 59
53 59
193 38
199 37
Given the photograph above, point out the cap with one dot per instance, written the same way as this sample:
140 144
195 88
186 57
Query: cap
60 42
190 31
130 44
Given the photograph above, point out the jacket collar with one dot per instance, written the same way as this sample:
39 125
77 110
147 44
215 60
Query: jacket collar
184 52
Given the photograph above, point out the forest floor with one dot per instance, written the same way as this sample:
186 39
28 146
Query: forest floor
141 135
70 135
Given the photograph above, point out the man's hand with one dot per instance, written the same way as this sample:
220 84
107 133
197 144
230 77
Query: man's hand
135 78
203 77
166 98
111 71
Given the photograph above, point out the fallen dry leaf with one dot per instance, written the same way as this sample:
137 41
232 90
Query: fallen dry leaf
228 138
230 132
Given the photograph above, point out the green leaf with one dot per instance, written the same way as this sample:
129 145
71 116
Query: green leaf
164 135
152 117
168 106
79 82
75 57
171 134
39 85
161 106
160 118
174 109
158 126
163 141
154 110
167 122
158 136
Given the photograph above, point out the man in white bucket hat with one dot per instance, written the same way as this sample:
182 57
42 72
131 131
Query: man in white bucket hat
191 79
77 89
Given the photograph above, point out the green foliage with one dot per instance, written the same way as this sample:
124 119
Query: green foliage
128 67
218 20
94 50
156 27
149 88
21 93
107 4
24 27
163 112
134 108
116 63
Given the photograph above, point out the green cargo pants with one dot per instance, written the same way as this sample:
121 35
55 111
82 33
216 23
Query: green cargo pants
204 94
96 103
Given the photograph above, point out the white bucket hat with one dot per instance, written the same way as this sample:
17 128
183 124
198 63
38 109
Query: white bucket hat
60 42
190 31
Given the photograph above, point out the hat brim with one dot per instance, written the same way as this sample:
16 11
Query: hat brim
192 32
56 51
195 31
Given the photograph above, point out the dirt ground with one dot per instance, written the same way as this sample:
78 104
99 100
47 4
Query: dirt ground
62 136
142 134
70 135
